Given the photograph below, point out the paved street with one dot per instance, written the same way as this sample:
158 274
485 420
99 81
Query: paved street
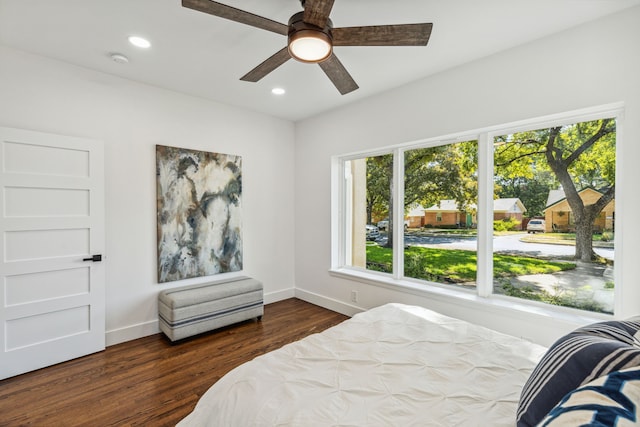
509 243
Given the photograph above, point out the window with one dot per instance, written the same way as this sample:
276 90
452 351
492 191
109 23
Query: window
442 181
538 196
572 166
368 191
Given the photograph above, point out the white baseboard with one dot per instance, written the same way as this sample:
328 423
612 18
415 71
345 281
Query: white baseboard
140 330
328 303
128 333
279 295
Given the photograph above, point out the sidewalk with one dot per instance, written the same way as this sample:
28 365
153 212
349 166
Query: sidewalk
550 239
586 282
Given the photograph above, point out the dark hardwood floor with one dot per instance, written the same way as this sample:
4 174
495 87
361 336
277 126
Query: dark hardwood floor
149 381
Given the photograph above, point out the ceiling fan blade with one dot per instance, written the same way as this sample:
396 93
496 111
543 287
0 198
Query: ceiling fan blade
339 75
383 35
273 62
316 12
237 15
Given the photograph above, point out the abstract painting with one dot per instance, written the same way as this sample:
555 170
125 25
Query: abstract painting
199 202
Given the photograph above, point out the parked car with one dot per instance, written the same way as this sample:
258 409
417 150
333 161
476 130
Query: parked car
384 224
372 232
535 226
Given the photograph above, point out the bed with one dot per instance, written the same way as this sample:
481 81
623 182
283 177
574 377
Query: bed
394 365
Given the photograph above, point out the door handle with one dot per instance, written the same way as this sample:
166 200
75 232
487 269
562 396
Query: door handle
94 258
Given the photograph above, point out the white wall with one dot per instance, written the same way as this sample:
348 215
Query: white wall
286 175
591 65
130 118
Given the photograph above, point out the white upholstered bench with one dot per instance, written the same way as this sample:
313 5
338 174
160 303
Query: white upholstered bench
191 310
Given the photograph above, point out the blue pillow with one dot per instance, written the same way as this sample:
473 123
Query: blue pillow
609 401
577 358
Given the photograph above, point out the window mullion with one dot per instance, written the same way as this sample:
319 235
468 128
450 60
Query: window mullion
622 306
398 214
484 276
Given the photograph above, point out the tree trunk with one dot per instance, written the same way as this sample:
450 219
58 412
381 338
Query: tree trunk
389 243
584 215
584 240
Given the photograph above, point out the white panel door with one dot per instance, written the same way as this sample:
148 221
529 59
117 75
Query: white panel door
52 299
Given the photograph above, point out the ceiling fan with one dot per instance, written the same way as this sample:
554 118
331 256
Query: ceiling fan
311 37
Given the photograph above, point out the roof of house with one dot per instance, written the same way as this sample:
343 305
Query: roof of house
557 196
445 205
417 210
506 205
499 205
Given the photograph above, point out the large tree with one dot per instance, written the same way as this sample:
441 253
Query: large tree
379 173
580 155
430 175
380 190
443 172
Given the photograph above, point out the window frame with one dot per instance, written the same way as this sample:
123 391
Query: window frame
484 279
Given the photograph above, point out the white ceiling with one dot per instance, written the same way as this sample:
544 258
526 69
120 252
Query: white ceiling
203 55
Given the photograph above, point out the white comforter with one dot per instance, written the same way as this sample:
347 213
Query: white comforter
394 365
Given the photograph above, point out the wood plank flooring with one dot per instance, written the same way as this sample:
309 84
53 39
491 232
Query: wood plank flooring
149 381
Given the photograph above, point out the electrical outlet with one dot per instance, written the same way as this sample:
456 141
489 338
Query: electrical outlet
354 296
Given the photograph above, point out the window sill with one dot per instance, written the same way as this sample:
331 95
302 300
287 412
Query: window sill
433 291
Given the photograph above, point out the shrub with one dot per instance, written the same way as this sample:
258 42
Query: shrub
607 236
449 226
506 224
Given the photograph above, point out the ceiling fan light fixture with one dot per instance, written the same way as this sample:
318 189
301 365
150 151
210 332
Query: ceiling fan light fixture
311 37
310 45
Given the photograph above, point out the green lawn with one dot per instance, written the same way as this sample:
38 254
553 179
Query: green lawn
602 237
457 266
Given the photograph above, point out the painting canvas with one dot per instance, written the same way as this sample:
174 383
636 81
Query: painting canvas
199 197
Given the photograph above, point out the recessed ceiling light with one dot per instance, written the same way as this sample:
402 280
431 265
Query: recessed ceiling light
139 42
278 91
119 58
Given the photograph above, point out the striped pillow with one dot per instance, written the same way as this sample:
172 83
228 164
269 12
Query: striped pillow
576 359
609 401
